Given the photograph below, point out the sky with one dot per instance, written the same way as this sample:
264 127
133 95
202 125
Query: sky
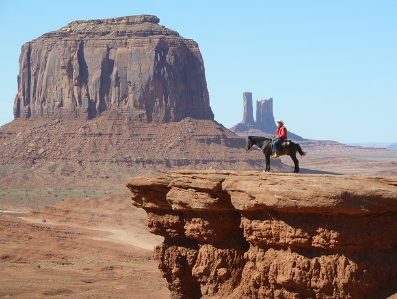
330 66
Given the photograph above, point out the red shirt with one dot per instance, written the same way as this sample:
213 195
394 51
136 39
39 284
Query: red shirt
281 132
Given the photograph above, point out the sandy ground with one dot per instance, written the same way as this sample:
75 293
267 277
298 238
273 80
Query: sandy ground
347 160
89 246
49 255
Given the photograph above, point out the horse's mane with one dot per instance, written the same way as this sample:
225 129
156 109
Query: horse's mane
259 138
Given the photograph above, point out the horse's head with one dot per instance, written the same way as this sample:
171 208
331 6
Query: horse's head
249 144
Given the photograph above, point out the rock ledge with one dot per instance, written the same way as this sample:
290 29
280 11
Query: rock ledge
231 234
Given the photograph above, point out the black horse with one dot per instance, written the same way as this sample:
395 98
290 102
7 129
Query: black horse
285 148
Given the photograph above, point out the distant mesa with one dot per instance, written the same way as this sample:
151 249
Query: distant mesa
264 124
114 97
129 65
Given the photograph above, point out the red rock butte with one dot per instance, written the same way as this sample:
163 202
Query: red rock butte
129 65
115 97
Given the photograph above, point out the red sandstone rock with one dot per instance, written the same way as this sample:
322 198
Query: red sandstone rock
128 65
250 235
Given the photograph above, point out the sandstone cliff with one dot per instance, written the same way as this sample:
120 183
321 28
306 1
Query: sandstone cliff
129 65
253 235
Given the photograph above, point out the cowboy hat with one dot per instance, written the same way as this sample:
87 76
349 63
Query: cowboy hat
280 121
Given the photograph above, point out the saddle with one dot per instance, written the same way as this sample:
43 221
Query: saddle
283 144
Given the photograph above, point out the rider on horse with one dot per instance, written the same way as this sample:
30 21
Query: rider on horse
281 135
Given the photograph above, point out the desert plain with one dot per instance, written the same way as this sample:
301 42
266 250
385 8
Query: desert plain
90 242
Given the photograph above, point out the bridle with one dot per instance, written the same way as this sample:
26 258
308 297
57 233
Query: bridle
248 145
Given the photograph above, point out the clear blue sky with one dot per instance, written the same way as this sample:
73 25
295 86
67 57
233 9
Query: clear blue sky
330 66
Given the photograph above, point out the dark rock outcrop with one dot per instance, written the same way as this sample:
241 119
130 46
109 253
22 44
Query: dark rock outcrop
254 235
129 65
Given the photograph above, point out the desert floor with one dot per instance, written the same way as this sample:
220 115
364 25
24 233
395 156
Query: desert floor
80 248
93 243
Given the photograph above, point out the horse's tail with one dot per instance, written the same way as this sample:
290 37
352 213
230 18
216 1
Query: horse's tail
300 151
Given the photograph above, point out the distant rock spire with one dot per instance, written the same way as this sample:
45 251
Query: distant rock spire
248 117
264 124
264 115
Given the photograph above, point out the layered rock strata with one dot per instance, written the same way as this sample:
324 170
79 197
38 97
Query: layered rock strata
106 150
253 235
129 65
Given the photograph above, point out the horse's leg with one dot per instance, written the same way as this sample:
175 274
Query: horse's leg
296 162
267 158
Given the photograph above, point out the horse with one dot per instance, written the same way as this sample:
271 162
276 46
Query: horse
285 148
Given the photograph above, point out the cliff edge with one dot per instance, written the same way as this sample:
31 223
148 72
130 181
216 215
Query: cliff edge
231 234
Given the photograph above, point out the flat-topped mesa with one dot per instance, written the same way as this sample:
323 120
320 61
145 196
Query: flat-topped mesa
127 20
115 28
131 66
